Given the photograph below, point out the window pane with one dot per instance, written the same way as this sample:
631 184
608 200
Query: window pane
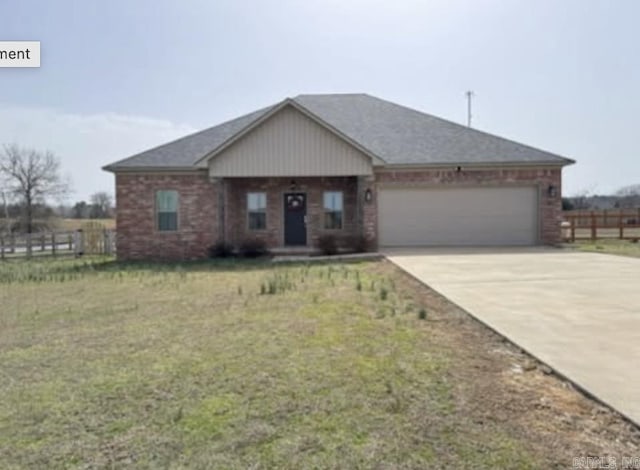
333 200
256 201
167 210
167 201
333 210
257 211
167 221
333 220
257 220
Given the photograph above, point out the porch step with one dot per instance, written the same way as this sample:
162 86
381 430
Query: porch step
293 250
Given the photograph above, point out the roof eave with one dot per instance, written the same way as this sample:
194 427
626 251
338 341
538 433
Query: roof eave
519 164
154 169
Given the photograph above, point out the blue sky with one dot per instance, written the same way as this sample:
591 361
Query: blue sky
118 77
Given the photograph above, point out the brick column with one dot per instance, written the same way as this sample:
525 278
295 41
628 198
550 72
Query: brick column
369 212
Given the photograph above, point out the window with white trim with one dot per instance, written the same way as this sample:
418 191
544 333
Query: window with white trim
167 210
333 210
257 211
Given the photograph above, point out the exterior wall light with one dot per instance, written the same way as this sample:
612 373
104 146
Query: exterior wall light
368 195
552 191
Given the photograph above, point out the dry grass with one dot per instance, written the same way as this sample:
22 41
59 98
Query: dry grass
613 247
75 224
247 365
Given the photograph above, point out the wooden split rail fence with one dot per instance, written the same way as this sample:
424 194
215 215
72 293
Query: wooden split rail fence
77 243
620 224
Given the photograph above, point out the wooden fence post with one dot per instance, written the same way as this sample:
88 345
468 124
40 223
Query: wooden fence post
620 225
13 243
105 242
108 242
29 244
1 247
594 230
53 243
78 243
43 242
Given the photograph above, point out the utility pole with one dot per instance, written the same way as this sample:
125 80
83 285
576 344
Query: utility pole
469 98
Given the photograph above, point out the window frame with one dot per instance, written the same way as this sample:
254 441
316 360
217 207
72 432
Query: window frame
326 211
157 211
259 211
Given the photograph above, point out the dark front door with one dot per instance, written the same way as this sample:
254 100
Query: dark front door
295 210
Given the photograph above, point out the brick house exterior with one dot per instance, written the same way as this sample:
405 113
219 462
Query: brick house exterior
292 148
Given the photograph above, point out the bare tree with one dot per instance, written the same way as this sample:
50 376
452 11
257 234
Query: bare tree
581 200
631 190
102 203
30 177
5 226
628 196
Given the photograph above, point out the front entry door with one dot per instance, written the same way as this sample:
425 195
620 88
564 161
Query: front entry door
295 211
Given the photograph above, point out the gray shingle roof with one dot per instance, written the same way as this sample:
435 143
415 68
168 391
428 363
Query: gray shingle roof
401 135
396 134
186 151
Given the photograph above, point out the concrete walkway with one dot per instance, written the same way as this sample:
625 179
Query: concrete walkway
577 312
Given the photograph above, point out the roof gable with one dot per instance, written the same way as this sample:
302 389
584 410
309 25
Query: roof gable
288 142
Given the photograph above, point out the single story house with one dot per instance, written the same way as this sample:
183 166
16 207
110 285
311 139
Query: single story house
341 164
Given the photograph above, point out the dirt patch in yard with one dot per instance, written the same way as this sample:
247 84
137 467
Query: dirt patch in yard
496 383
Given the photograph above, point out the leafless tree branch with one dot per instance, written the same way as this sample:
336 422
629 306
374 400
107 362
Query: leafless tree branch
30 177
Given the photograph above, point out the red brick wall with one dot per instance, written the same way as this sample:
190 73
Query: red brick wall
549 209
137 236
236 196
369 215
199 219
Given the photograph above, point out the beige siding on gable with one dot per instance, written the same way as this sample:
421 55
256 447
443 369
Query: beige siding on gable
290 144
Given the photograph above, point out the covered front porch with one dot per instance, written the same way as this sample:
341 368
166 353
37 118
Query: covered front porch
291 214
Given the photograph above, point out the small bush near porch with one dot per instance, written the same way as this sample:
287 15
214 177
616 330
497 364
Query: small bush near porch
245 365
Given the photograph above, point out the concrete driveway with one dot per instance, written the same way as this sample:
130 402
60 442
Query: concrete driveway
577 312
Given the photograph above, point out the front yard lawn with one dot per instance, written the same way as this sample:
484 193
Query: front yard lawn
612 247
251 365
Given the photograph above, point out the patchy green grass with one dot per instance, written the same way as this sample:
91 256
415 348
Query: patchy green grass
238 365
613 247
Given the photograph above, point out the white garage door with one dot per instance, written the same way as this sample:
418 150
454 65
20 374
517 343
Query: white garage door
458 216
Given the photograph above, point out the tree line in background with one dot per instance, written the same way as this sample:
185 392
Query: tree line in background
627 197
29 179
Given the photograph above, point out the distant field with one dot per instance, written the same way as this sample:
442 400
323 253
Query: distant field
75 224
241 364
60 225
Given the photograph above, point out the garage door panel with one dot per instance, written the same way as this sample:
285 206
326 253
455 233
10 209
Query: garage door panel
458 216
